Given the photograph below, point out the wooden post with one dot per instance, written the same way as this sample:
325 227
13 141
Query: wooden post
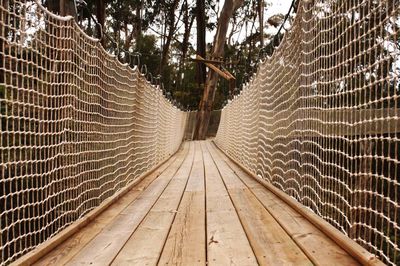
223 73
207 101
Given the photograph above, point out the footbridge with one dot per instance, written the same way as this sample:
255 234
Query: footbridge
304 169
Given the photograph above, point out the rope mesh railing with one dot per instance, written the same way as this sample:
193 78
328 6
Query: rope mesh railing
320 119
76 125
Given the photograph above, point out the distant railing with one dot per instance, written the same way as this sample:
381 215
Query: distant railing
320 120
76 125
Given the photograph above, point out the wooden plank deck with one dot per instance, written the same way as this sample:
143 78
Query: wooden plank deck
199 208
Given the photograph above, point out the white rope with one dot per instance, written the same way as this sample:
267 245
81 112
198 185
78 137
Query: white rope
76 125
320 119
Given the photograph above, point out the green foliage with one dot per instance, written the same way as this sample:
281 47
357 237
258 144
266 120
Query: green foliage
188 92
130 30
2 91
146 46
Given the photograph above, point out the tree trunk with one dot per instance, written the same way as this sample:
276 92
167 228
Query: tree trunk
201 41
138 32
68 8
188 21
261 17
101 18
171 32
53 6
62 7
206 103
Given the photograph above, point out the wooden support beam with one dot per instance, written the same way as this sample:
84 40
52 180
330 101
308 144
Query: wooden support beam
225 74
346 243
202 60
228 73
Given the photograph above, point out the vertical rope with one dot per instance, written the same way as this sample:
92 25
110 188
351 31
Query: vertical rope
76 125
327 119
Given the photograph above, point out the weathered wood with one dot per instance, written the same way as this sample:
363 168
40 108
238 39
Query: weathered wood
41 251
68 249
196 181
351 247
270 243
146 243
201 59
316 245
231 77
104 247
214 68
186 243
204 209
207 100
227 243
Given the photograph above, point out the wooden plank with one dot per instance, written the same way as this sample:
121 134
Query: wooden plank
196 180
271 244
318 247
215 62
67 250
104 247
227 243
145 245
186 243
216 69
228 73
45 248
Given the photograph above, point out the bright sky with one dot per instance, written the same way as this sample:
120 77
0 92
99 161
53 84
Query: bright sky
272 7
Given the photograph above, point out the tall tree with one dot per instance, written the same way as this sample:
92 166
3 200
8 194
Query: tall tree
139 19
261 18
201 40
101 18
206 103
188 20
62 7
171 23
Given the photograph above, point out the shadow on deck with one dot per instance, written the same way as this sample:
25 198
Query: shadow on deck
197 208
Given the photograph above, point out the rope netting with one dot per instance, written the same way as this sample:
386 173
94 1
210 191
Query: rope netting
76 125
320 119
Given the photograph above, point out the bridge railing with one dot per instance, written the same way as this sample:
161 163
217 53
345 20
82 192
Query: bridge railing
320 119
77 126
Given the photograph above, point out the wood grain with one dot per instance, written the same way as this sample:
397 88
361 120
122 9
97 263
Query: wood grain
145 245
67 250
106 245
227 243
314 243
186 243
270 243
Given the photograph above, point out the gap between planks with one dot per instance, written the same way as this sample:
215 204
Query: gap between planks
321 249
106 245
68 249
145 245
